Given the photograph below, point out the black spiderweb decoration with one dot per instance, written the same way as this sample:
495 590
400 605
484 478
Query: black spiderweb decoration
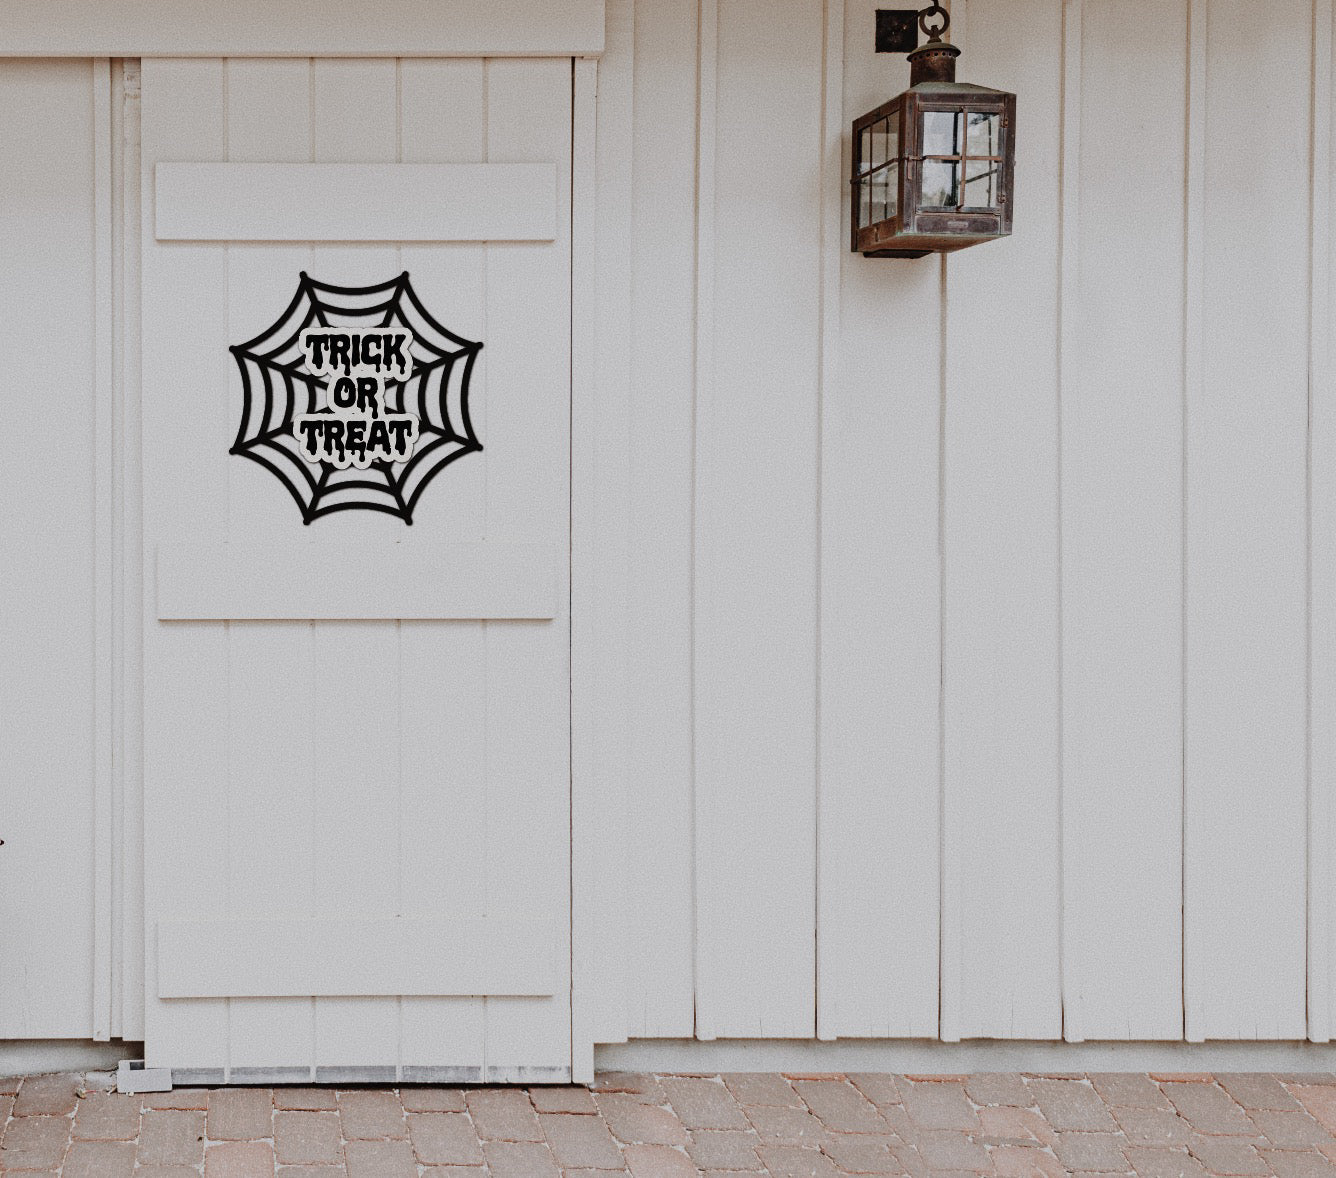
276 386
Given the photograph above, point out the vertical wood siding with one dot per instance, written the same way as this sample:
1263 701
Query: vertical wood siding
1000 543
1060 784
1245 789
966 631
1122 538
756 526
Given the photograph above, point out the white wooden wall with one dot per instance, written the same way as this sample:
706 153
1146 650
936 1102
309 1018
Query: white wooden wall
964 638
979 667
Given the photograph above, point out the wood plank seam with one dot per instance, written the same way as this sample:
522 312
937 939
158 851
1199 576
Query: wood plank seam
702 704
950 934
104 548
1321 523
1069 172
831 211
1193 389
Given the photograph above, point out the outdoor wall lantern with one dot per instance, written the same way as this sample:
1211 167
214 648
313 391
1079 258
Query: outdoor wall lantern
933 168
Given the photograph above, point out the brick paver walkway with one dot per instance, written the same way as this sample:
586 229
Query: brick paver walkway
675 1126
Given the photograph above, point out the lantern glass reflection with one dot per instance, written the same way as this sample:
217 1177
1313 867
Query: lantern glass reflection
941 132
940 189
983 138
980 184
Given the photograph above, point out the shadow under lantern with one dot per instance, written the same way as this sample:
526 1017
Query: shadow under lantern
933 169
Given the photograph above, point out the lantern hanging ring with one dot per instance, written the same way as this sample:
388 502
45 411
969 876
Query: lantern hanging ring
934 11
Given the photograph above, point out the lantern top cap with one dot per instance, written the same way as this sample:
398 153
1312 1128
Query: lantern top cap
933 62
933 87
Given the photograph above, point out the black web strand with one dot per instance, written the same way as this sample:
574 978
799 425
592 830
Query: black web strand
292 368
395 490
458 340
282 477
313 508
260 452
433 471
358 484
465 377
284 430
423 456
356 488
317 287
244 427
373 312
274 342
424 453
392 311
290 343
326 488
273 329
359 506
267 416
448 435
287 374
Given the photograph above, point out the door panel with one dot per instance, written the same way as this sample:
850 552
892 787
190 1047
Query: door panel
387 797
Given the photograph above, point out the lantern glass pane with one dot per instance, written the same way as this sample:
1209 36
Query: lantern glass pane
941 182
865 163
984 134
879 188
890 201
981 181
885 142
941 132
865 216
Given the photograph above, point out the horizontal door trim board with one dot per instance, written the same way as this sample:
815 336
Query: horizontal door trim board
295 28
244 582
419 956
355 202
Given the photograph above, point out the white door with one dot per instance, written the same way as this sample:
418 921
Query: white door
356 726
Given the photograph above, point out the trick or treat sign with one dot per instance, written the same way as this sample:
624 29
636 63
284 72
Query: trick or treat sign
355 398
358 427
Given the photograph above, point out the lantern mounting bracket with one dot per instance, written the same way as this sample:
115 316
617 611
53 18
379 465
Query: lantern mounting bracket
938 32
897 30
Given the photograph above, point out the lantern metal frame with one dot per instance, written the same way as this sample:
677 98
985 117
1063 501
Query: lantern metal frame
907 227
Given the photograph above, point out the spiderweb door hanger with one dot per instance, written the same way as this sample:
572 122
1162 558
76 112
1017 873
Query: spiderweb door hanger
355 398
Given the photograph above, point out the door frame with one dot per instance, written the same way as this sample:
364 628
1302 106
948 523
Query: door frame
588 479
589 484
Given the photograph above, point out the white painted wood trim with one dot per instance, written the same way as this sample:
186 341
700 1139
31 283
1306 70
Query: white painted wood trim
1194 342
219 582
104 480
927 1057
605 440
332 957
130 1011
355 202
586 828
703 705
1322 542
117 137
1069 278
291 28
834 198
